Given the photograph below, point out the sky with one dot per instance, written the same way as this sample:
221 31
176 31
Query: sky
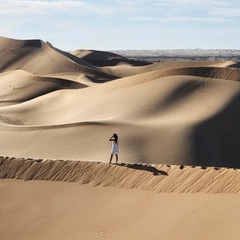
124 24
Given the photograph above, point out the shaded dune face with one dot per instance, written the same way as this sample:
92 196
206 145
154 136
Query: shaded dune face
55 104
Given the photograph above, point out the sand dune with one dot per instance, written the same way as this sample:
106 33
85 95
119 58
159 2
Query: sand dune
150 177
126 70
191 107
178 125
132 201
102 59
60 210
20 86
38 57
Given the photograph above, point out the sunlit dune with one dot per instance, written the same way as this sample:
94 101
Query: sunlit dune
179 135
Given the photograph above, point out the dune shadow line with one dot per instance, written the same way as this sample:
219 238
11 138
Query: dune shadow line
143 167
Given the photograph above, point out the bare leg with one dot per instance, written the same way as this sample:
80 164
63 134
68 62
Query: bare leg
116 158
111 159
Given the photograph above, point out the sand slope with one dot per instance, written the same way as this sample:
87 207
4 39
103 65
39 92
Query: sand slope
60 210
157 178
90 200
38 57
67 105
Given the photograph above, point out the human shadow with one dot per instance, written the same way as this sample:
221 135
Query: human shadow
143 167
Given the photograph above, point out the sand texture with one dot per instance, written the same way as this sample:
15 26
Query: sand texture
157 178
178 125
69 104
46 199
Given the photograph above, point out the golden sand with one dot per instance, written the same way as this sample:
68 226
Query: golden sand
178 126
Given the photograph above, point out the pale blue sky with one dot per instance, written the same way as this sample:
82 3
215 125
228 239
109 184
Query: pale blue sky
124 24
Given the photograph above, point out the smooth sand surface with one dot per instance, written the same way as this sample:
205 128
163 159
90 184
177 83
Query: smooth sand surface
59 210
178 127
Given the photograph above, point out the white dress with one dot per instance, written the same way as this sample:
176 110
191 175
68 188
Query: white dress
115 149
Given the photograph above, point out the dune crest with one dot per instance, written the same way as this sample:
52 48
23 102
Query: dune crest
157 178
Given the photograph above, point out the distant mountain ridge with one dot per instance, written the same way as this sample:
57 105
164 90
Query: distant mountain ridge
181 54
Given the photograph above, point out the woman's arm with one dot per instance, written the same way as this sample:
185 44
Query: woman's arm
112 138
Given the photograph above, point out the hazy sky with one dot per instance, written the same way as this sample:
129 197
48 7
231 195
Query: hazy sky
124 24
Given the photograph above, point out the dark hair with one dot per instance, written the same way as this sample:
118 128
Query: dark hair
116 137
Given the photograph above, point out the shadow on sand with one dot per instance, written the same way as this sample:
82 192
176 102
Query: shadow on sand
142 167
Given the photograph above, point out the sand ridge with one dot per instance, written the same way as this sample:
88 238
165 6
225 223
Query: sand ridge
38 57
151 177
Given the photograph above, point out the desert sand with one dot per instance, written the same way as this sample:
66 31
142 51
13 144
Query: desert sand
178 126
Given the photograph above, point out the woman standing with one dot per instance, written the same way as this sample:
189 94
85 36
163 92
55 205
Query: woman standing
115 149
